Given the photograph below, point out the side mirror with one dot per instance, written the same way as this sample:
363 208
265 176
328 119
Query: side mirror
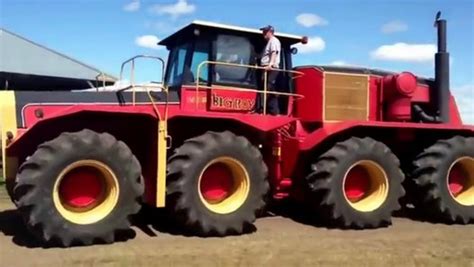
294 50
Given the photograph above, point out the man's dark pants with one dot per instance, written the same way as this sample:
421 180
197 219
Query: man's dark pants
272 99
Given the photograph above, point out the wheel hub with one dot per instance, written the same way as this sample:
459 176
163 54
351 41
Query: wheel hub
224 185
85 192
217 183
357 184
365 186
461 181
81 188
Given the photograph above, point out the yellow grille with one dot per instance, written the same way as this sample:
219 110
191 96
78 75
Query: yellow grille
346 97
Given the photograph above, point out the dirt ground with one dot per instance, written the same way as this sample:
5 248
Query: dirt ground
277 241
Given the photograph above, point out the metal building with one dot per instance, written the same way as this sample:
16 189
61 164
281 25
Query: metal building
26 65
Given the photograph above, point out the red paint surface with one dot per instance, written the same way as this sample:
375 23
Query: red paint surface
399 109
374 98
403 84
421 94
357 184
216 183
457 180
406 83
310 85
398 90
189 97
81 188
328 129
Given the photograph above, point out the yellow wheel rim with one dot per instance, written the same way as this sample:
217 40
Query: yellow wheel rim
365 186
460 181
85 192
224 185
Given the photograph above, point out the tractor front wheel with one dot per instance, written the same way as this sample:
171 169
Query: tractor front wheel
79 188
217 182
356 184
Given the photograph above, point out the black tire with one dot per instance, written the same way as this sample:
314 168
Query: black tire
38 174
326 184
429 181
184 169
10 185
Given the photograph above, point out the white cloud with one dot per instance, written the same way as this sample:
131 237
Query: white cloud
132 6
464 98
182 7
315 44
148 41
310 20
405 52
339 63
342 63
394 26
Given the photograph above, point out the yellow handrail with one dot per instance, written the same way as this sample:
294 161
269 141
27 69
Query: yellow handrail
132 73
265 92
155 108
162 146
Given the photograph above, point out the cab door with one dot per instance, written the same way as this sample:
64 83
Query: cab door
234 83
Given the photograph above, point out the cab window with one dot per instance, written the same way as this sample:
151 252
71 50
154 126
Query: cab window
234 50
176 65
200 54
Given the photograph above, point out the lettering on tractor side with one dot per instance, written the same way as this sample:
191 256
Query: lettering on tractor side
231 103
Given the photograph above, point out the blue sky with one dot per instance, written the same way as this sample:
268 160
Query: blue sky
396 35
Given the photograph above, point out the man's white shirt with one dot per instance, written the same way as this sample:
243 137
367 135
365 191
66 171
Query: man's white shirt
273 45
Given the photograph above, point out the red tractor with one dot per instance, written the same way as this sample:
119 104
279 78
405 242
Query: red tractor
352 142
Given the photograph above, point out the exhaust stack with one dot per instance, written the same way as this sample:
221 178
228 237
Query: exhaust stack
441 93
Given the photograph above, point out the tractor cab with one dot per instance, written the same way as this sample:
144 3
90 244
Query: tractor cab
215 67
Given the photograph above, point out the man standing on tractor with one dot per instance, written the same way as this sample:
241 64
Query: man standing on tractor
270 60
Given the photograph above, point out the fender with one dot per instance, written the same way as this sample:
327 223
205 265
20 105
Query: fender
256 121
330 129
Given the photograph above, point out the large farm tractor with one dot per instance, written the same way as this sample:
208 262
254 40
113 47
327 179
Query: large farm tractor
350 145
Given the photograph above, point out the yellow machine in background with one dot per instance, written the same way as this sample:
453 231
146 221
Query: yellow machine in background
8 123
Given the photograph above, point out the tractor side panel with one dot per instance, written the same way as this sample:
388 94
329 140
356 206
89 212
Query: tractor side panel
194 100
310 85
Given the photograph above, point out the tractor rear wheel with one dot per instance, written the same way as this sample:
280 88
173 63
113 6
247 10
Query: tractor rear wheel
356 184
79 188
443 181
217 182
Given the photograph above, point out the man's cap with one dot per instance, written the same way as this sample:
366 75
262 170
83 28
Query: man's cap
268 28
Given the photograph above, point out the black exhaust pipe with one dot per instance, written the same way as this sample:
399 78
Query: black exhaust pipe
440 94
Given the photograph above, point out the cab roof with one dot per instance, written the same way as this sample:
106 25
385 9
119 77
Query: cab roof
198 24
